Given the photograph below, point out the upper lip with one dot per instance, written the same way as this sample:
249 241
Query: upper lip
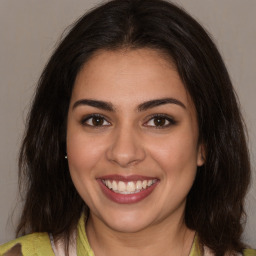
118 177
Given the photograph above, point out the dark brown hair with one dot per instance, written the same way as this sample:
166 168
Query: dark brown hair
214 206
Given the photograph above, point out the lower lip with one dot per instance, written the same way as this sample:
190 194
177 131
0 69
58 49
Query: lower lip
127 198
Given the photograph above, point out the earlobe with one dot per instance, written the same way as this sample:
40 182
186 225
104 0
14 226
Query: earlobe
201 155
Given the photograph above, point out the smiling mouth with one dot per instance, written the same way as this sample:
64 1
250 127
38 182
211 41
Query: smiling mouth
130 187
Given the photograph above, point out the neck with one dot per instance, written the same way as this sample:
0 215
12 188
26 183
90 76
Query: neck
166 238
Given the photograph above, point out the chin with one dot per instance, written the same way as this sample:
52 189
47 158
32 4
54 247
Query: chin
127 227
128 222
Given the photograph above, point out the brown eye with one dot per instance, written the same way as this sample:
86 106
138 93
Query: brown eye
160 121
95 121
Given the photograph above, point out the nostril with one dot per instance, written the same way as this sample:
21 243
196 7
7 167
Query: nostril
125 154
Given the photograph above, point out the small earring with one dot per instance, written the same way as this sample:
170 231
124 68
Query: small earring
66 157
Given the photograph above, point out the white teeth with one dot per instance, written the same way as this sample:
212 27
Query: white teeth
114 185
121 186
109 184
130 187
139 185
144 184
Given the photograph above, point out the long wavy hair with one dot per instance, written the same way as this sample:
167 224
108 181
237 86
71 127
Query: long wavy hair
215 204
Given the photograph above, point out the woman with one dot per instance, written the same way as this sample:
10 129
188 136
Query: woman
134 143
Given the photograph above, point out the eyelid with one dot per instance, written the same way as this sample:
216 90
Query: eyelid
89 116
170 119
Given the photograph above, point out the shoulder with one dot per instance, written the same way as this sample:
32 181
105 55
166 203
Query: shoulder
197 250
249 252
33 244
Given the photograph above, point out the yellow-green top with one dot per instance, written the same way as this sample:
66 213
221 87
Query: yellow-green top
38 244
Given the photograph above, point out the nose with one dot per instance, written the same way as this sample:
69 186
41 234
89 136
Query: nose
126 148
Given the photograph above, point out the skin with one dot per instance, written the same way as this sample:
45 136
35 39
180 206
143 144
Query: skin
128 142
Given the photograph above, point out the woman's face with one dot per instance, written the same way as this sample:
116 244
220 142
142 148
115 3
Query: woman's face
132 139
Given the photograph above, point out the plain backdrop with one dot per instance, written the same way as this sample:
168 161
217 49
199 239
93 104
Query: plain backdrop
31 29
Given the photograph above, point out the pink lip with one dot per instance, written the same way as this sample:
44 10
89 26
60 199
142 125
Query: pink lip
126 198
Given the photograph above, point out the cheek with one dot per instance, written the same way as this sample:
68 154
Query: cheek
84 152
177 159
176 155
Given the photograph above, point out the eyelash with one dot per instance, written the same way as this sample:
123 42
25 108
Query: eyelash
94 116
165 117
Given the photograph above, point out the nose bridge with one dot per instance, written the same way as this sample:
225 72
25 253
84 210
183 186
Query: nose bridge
126 148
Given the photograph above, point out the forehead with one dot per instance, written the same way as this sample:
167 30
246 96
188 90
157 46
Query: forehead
129 77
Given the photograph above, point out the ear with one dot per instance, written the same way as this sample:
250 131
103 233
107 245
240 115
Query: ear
201 155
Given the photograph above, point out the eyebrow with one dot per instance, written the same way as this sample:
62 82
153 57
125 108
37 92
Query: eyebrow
157 102
94 103
104 105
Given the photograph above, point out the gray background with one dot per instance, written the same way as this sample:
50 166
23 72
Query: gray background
30 30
